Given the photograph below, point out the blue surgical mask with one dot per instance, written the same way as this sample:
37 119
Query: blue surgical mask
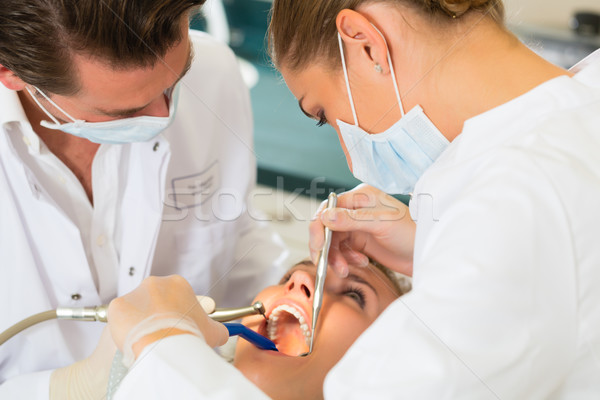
120 131
395 159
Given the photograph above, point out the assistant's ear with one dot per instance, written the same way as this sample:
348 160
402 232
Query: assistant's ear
360 36
10 80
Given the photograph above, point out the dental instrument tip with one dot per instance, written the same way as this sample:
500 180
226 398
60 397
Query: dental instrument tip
260 307
310 346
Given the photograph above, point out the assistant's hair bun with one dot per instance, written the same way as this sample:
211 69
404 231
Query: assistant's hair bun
456 8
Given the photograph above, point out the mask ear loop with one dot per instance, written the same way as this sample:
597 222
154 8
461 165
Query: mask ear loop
389 57
347 80
52 117
393 73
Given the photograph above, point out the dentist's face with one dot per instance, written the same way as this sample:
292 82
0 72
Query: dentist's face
350 305
322 95
108 93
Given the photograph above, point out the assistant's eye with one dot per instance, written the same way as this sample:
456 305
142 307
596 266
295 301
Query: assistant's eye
356 294
322 119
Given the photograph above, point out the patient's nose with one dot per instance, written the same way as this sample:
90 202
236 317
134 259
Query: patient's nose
301 282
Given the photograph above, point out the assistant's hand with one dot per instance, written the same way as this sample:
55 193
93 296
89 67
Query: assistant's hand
366 223
157 297
88 378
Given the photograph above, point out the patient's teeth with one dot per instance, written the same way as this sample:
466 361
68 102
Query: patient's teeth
274 317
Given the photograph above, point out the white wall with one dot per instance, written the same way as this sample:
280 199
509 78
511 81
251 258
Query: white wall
547 13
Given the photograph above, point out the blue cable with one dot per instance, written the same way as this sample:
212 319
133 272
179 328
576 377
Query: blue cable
253 337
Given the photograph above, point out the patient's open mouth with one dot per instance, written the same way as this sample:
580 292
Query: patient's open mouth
287 327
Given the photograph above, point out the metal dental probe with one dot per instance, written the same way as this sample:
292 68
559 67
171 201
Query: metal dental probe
321 273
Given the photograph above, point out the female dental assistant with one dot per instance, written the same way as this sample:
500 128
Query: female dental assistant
500 151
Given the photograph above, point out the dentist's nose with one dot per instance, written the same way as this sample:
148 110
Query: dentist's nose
301 282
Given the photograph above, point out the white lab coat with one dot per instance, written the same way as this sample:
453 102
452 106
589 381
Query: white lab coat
173 205
505 303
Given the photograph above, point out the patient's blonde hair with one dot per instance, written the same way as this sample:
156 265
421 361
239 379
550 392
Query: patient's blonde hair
402 284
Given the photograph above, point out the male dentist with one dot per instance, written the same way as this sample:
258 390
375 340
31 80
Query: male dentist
125 151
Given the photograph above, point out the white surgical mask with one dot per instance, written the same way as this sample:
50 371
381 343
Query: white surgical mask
120 131
395 159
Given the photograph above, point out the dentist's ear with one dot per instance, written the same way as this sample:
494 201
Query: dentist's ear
362 40
10 80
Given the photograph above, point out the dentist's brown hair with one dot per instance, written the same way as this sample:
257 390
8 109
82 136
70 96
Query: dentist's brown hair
39 38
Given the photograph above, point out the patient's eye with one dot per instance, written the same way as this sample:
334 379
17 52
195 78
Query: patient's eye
286 277
356 294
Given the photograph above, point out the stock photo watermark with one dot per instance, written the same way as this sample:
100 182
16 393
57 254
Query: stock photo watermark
200 197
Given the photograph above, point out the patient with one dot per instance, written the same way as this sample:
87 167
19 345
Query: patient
350 305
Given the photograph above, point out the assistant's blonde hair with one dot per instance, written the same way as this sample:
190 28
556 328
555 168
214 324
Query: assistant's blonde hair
302 31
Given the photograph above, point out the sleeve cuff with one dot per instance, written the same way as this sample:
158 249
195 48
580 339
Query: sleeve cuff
33 386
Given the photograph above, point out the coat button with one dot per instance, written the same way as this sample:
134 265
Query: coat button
131 271
76 296
100 240
156 146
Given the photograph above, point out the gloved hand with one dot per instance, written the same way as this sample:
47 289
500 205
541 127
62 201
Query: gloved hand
88 378
156 301
366 223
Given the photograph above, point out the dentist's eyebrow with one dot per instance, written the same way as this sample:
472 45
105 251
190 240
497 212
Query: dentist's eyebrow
122 113
130 111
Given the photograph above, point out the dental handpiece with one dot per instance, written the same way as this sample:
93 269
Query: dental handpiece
320 275
230 314
217 314
100 314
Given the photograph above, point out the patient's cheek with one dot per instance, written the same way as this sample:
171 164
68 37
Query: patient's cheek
343 326
268 295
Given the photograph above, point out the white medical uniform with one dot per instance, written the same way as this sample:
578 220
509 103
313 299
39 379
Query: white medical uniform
506 299
173 205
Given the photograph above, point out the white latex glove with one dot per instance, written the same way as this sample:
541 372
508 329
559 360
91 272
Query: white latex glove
88 378
366 223
171 297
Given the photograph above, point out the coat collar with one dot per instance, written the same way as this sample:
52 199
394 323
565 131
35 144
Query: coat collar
12 112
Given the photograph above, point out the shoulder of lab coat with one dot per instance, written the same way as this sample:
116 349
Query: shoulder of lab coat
505 268
184 367
478 307
27 387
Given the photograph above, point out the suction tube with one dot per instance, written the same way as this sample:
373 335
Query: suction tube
26 323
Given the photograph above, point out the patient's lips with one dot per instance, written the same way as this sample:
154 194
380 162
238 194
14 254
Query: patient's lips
287 327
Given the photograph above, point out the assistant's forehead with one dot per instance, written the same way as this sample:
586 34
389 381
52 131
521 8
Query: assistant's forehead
312 76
